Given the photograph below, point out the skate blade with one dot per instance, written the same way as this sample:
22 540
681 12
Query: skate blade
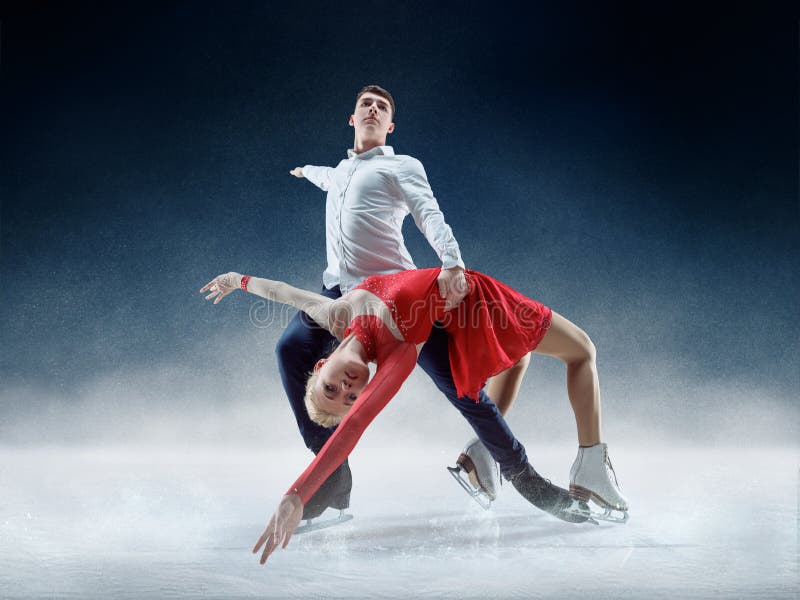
609 513
481 497
577 512
311 525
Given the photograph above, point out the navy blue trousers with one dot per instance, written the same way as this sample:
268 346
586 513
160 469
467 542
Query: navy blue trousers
304 342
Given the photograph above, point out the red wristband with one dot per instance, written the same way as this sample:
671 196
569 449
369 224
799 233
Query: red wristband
245 279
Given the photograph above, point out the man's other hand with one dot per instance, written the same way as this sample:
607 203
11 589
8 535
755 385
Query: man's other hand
452 286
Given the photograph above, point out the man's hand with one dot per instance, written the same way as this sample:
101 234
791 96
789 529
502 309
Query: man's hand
452 286
297 172
281 526
222 285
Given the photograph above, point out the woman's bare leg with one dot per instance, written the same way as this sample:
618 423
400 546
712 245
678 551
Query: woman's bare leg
504 387
567 341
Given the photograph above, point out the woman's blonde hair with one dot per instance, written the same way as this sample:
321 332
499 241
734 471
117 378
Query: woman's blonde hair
315 413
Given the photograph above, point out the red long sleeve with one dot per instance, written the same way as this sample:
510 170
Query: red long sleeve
392 371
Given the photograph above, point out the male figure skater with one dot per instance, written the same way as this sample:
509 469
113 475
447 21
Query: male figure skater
369 194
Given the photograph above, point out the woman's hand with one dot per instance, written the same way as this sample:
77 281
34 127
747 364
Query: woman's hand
297 172
222 285
281 526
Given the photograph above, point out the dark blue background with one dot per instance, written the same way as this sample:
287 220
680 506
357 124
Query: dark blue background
634 168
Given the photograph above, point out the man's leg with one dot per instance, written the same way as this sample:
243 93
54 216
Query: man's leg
483 416
491 427
302 344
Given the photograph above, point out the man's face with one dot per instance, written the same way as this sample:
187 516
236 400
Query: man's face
372 116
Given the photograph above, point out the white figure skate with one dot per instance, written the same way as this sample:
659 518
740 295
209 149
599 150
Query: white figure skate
482 479
592 478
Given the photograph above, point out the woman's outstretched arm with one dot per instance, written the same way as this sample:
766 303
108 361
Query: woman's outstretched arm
317 307
389 377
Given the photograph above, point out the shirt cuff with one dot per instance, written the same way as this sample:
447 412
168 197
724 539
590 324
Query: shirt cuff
452 258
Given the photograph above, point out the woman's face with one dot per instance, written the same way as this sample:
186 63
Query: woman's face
340 379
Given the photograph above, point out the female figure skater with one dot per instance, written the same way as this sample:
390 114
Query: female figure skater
386 320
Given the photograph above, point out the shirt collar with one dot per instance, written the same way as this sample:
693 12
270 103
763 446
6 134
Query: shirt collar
385 150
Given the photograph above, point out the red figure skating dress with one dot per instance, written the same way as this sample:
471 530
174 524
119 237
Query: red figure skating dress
490 331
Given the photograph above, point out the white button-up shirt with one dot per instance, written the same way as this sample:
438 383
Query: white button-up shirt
369 196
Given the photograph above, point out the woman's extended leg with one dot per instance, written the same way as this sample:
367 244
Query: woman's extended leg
567 341
591 477
504 387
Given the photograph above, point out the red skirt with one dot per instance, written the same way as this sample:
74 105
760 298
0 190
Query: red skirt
490 331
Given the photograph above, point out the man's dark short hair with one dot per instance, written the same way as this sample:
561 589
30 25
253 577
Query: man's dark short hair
378 91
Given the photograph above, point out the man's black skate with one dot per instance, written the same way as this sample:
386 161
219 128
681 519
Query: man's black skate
550 498
334 493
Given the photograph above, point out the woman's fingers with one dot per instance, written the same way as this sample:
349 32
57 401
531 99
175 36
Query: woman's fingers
268 549
286 541
222 294
221 286
208 285
218 292
264 537
280 531
281 527
269 539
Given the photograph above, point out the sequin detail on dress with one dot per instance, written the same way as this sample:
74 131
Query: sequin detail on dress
361 326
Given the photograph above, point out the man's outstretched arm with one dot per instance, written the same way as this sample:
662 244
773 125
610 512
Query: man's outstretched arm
319 176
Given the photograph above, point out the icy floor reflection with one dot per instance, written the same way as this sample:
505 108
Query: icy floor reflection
134 523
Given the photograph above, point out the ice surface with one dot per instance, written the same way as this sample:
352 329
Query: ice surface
134 522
